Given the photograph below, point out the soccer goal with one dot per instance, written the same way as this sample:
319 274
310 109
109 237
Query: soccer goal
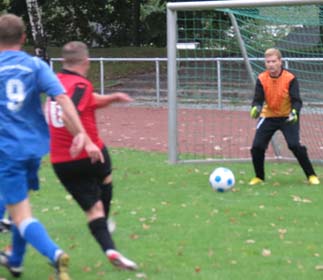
215 52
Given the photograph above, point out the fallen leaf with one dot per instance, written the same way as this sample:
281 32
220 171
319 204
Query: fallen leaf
266 252
210 253
282 232
141 275
86 269
297 198
98 264
145 226
134 236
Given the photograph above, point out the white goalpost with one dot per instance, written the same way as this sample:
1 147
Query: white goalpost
215 52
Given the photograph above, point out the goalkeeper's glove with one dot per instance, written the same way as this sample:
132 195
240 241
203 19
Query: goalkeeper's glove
292 117
255 112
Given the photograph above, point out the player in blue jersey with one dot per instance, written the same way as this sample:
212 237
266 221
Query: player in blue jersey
5 224
24 140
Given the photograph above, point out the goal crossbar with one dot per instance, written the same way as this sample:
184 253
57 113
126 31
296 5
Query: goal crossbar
197 5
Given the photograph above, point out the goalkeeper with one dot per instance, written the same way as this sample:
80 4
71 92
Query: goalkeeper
277 103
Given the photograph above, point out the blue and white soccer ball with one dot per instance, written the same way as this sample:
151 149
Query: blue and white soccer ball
221 179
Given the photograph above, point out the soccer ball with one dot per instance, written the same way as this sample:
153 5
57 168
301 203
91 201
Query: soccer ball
221 179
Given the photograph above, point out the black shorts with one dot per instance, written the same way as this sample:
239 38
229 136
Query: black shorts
266 128
83 180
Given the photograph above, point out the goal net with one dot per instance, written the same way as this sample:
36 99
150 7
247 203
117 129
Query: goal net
215 52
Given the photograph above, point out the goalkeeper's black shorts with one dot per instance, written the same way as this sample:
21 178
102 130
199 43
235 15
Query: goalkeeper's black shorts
266 128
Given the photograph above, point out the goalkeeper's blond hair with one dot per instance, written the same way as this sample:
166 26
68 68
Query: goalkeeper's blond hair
273 51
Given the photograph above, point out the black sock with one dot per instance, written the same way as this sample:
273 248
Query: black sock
106 197
99 230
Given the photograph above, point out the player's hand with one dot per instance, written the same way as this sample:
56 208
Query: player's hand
93 152
255 112
78 144
123 97
293 117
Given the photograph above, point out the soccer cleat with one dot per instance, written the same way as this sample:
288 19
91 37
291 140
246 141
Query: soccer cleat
15 271
5 225
120 261
61 267
255 181
313 180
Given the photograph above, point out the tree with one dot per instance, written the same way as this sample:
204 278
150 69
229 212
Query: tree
96 22
37 29
136 22
153 18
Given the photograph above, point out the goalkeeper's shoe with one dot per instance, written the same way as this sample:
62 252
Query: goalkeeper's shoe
15 271
313 180
61 267
255 181
120 261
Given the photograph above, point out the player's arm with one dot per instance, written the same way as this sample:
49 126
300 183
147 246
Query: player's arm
73 123
258 100
105 100
295 96
296 101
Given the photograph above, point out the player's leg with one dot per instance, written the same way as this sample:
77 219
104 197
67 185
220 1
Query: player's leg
5 224
106 197
18 247
80 179
104 175
264 131
106 194
28 228
105 180
32 231
291 134
13 261
2 209
99 229
16 196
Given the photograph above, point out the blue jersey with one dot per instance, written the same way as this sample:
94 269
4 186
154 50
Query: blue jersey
23 129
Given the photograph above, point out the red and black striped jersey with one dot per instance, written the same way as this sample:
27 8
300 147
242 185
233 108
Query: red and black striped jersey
80 90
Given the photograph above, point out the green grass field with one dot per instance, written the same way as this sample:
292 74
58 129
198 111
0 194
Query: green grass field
175 227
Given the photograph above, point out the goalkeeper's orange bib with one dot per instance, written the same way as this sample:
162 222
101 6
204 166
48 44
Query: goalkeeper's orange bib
277 95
